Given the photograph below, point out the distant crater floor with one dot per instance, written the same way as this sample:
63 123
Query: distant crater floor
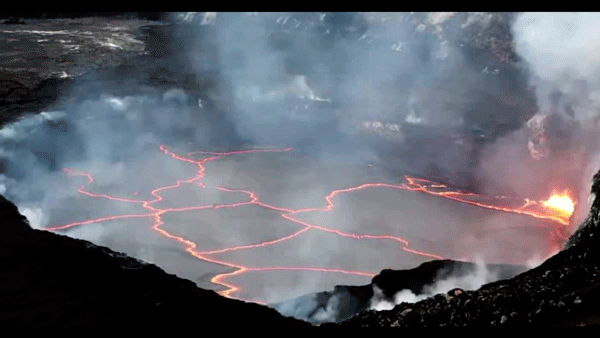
280 180
40 58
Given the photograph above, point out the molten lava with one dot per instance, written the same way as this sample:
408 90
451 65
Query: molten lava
558 209
562 204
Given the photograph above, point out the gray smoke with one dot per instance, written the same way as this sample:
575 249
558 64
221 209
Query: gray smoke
560 53
307 308
398 68
305 80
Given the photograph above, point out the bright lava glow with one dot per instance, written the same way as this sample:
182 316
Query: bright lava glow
561 203
557 209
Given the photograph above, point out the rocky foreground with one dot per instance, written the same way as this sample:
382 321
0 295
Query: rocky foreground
346 301
563 291
53 280
552 294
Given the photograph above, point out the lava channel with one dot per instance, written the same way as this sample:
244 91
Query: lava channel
555 209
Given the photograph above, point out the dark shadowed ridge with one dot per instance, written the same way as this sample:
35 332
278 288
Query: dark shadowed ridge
50 279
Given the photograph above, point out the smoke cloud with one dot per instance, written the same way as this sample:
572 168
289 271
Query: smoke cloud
558 147
308 81
471 280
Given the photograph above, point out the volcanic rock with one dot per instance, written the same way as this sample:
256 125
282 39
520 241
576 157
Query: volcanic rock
351 300
550 294
50 279
40 59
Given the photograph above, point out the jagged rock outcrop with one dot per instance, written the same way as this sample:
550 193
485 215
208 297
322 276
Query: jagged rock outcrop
345 301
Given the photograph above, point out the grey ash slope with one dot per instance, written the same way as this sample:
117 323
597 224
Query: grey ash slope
53 280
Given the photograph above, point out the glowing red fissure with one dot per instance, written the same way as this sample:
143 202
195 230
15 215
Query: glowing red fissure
412 183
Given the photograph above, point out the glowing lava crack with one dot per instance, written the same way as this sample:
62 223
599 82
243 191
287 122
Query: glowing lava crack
557 209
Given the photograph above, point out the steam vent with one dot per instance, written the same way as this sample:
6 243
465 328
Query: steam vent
299 169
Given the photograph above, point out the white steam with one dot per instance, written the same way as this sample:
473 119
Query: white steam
560 47
480 276
534 262
109 135
35 216
561 52
330 312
